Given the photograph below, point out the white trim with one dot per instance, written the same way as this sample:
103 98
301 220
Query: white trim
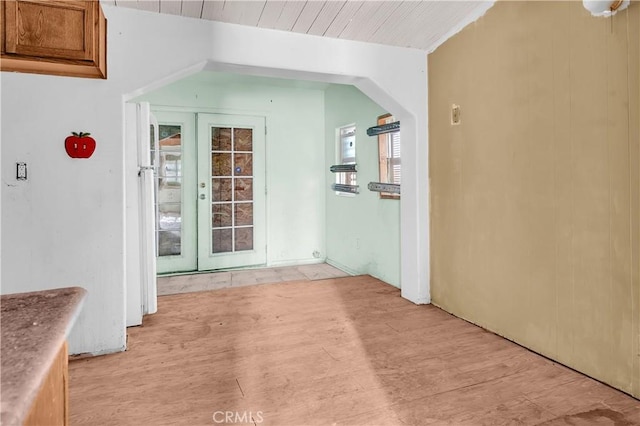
171 78
147 239
297 262
342 267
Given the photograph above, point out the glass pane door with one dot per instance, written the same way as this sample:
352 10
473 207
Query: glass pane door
231 184
174 163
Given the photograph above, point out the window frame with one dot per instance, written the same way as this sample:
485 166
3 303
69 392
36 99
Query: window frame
343 178
384 142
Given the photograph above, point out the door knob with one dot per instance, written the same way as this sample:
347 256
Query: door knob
202 196
202 184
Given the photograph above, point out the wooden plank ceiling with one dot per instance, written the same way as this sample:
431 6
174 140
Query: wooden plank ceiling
417 24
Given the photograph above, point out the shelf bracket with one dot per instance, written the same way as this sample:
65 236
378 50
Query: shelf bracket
391 188
343 168
384 128
350 189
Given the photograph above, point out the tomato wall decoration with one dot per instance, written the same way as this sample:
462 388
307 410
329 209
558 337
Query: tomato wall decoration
80 145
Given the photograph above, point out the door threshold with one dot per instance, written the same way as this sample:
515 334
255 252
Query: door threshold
206 281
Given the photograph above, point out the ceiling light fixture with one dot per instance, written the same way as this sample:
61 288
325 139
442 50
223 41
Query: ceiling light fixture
605 7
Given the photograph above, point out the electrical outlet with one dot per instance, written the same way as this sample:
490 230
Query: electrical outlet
455 115
21 171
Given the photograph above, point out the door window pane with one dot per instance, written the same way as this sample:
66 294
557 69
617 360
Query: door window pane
221 139
169 216
243 165
170 170
243 190
243 139
244 214
168 192
169 132
221 164
244 239
169 243
221 189
221 215
222 240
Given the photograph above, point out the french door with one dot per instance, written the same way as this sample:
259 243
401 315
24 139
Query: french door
231 191
173 157
210 191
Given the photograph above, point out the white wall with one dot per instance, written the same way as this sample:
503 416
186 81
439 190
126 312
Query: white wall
294 149
66 224
363 231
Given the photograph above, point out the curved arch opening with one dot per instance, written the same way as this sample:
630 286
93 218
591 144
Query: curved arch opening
412 270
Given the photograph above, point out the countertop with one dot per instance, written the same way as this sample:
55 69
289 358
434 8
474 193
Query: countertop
33 327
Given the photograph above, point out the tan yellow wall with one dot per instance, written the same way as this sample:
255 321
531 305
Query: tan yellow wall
535 218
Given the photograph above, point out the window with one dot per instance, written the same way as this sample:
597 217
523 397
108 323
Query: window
346 153
389 152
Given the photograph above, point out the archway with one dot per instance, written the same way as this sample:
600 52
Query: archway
414 203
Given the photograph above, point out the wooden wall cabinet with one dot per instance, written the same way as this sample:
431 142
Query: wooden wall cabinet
54 37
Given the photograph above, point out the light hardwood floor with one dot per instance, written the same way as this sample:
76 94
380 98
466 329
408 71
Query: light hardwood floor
344 351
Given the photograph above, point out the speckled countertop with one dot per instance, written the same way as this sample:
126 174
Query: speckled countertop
33 327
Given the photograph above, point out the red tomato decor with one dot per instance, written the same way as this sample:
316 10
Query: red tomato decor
80 145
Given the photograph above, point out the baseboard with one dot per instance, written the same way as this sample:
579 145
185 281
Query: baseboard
342 267
296 262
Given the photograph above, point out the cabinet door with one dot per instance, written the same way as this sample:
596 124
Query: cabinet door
51 405
51 29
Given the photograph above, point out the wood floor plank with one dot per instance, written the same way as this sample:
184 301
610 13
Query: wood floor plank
344 351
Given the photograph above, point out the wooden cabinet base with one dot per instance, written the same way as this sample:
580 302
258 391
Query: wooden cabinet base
29 65
51 406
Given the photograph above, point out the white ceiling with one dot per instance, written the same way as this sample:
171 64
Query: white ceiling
417 24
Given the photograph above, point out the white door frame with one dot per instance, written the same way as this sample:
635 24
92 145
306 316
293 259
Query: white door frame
141 287
148 279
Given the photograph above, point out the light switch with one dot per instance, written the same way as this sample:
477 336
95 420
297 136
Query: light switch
455 114
21 171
